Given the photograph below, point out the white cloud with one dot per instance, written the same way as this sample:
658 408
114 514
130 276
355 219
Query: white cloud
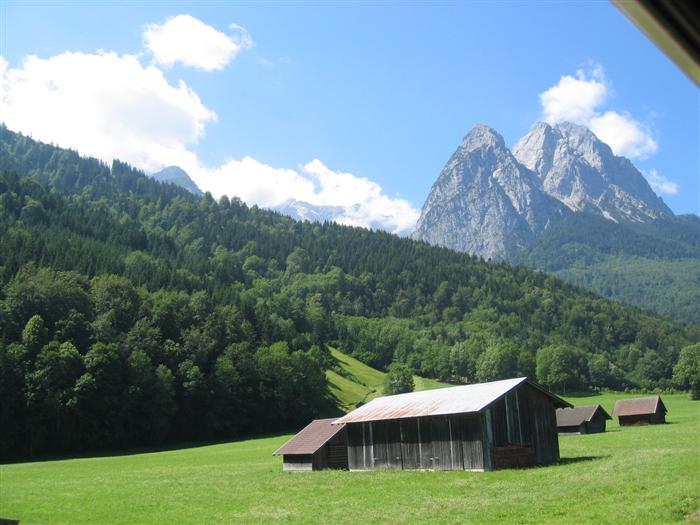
624 135
579 99
574 99
185 39
364 202
254 182
105 105
660 183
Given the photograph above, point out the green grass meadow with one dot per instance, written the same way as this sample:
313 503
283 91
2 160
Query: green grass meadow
627 475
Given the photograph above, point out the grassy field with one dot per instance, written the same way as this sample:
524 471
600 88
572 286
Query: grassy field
360 383
631 475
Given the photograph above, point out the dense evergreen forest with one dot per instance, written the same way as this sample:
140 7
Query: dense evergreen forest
133 313
654 265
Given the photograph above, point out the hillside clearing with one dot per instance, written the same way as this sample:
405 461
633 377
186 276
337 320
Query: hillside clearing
638 474
361 383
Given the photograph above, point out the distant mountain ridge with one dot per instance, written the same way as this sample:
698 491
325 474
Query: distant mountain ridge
179 177
305 211
352 215
492 202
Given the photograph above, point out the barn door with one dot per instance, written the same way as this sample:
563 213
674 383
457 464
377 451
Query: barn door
380 459
472 442
443 458
394 452
410 449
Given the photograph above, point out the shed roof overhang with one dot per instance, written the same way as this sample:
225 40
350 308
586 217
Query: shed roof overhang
309 439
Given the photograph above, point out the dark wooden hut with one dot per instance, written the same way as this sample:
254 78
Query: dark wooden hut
640 411
486 426
581 420
317 446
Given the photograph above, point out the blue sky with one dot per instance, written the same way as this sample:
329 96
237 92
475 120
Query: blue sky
340 103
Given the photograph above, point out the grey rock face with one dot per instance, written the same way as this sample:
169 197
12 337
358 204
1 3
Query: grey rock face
485 202
179 177
490 202
581 171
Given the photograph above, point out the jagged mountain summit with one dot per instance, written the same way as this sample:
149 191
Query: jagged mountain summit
581 171
485 202
493 203
179 177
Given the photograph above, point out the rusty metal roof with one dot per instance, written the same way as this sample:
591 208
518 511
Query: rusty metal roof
638 406
574 416
455 400
312 437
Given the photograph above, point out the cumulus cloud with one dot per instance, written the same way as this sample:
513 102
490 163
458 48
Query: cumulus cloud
574 99
660 183
105 105
624 135
187 40
363 201
579 99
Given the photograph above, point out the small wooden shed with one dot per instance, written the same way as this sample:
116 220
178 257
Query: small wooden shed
640 411
317 446
581 420
502 424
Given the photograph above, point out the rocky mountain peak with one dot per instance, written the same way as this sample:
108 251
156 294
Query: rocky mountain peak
484 201
580 170
482 136
179 177
488 201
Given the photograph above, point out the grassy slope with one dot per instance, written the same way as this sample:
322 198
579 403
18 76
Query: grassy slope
362 383
630 475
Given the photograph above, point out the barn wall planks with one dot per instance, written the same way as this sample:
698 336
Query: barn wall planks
525 417
294 463
429 443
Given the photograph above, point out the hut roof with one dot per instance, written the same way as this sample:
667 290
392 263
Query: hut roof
455 400
312 437
575 416
638 406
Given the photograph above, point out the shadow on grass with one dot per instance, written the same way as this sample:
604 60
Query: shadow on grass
5 521
592 393
579 459
141 450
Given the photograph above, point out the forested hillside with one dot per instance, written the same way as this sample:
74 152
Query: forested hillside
654 265
134 313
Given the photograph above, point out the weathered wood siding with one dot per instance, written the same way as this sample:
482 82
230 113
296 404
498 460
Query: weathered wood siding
333 454
573 429
525 417
294 463
429 443
595 425
643 419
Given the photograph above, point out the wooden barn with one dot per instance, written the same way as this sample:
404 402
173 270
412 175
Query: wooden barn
503 424
581 420
317 446
640 411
